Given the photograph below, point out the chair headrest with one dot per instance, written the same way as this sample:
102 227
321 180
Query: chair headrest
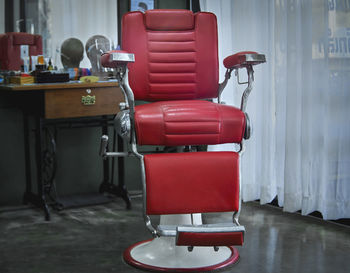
169 20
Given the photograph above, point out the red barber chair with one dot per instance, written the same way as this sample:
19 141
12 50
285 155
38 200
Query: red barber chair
10 45
170 59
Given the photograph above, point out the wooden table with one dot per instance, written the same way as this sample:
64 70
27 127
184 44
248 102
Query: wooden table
64 104
64 100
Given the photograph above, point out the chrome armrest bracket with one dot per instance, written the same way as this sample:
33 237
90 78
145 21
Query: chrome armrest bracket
224 83
236 62
122 57
125 118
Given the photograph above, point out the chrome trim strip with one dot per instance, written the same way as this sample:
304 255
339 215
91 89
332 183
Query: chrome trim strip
211 228
172 231
122 57
117 154
166 230
255 58
248 127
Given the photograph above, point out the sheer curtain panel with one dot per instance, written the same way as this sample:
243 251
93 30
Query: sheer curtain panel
299 107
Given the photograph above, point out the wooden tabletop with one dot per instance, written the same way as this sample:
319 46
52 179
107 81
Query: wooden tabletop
63 85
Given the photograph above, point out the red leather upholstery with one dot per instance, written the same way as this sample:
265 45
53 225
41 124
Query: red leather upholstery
210 239
179 62
10 44
192 182
236 60
173 123
169 20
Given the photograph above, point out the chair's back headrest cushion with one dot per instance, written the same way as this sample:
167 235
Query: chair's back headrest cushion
169 20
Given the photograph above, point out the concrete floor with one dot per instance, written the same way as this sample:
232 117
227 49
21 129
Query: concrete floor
92 240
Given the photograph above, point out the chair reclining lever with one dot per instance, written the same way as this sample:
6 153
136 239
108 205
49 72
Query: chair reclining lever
103 145
103 149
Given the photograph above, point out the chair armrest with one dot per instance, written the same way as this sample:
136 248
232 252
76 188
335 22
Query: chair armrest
119 59
115 58
243 59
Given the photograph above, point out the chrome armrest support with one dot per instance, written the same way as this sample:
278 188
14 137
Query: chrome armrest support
246 92
249 88
125 118
224 83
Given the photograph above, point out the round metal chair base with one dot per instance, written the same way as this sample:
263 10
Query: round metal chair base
162 255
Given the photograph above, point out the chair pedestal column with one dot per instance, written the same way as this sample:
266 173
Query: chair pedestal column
161 254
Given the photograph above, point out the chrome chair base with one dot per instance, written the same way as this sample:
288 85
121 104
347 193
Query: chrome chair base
161 254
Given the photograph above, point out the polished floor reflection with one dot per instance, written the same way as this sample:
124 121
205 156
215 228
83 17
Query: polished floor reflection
92 240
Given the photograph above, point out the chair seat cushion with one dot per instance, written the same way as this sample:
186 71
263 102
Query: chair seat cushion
195 122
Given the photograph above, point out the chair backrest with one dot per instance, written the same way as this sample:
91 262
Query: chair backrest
10 44
176 54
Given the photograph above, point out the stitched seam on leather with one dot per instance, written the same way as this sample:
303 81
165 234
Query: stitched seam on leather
164 134
220 122
173 36
168 47
204 125
159 81
187 75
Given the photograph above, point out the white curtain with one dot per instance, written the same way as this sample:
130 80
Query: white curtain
299 106
80 19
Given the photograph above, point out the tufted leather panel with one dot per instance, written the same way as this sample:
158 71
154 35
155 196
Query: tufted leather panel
173 123
191 183
172 64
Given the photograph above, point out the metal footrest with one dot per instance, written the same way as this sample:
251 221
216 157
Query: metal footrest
205 235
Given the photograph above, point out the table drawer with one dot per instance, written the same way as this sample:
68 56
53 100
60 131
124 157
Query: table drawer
82 102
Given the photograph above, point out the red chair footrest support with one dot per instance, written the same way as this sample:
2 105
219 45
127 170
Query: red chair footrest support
199 236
